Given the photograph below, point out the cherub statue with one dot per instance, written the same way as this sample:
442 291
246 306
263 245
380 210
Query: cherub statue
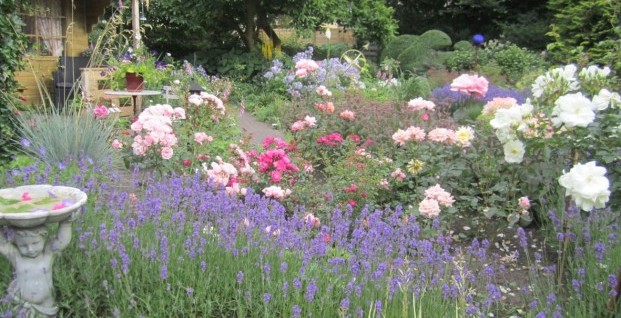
32 256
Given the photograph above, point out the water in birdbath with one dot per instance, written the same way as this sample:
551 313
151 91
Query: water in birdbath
25 202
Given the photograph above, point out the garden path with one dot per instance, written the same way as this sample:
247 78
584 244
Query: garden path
257 130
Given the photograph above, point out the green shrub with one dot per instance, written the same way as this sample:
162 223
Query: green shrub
416 86
436 39
329 51
234 64
463 45
418 58
423 53
515 61
579 27
398 45
529 31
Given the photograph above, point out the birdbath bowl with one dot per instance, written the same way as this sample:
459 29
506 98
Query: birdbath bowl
27 211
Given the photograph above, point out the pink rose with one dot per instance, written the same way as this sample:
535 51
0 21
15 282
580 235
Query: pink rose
116 144
101 111
323 91
429 208
471 85
347 115
166 153
524 202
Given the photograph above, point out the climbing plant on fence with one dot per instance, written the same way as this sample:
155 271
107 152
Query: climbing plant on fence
13 42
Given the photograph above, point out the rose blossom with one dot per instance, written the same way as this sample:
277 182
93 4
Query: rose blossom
419 103
199 137
514 151
464 136
470 84
587 185
573 110
116 144
524 202
497 103
429 208
323 91
442 135
167 153
440 195
347 115
101 111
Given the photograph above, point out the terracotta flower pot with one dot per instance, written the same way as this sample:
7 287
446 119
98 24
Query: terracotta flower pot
133 82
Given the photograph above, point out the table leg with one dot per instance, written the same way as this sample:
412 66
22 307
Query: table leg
134 98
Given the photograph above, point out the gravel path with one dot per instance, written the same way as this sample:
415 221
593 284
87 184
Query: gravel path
256 129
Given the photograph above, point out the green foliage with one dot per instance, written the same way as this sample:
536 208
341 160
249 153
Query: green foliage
435 39
13 43
415 86
511 61
528 30
56 138
514 61
334 50
464 18
235 64
418 58
372 22
416 54
140 62
463 45
582 31
397 45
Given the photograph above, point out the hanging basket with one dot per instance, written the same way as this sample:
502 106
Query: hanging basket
133 82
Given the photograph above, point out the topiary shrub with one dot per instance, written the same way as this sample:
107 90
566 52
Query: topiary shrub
424 52
436 39
398 45
463 45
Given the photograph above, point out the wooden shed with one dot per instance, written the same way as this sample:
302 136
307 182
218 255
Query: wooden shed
54 28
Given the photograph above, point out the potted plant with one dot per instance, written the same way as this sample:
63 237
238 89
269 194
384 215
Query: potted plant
136 70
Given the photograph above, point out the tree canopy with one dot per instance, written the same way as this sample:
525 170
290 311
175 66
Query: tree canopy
190 26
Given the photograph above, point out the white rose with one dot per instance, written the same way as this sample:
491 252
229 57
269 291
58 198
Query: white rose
505 118
573 110
514 151
605 98
587 185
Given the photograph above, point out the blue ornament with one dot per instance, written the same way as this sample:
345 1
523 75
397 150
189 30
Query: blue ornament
478 39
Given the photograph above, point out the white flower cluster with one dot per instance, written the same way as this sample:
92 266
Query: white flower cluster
571 108
506 122
587 185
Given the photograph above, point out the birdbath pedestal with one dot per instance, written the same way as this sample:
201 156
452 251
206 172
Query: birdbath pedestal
26 212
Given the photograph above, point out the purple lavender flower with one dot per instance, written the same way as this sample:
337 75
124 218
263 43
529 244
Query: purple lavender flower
296 311
311 290
599 248
164 272
267 297
522 236
344 305
240 277
283 267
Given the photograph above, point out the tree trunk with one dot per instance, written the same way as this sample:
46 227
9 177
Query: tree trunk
265 25
249 35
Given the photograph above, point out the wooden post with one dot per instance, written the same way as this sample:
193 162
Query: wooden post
136 24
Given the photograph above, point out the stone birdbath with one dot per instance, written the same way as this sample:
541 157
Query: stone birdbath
26 212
